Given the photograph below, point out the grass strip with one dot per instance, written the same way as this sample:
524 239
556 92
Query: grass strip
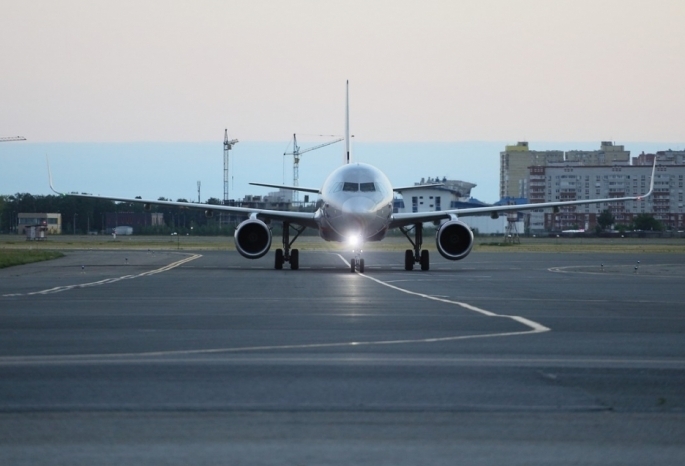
11 257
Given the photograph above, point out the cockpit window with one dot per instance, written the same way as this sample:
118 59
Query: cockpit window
350 187
367 187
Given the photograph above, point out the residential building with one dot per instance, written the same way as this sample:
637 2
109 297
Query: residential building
569 183
516 159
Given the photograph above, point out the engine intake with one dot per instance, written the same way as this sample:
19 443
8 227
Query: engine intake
454 240
252 238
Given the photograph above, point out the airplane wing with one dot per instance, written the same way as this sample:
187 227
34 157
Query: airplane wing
292 188
399 220
305 219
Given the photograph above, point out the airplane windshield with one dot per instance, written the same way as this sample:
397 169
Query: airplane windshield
350 187
367 187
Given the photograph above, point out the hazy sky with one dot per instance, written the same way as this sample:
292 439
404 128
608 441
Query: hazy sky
118 71
88 81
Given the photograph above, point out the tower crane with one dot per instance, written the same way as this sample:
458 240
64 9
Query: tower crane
14 138
228 145
296 153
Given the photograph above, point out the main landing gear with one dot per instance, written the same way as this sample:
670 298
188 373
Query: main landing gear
286 254
417 255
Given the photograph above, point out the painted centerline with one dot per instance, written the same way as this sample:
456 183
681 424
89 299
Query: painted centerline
534 326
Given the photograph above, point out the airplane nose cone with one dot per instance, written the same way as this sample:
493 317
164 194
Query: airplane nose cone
359 209
358 206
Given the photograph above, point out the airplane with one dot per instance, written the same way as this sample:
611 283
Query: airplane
356 206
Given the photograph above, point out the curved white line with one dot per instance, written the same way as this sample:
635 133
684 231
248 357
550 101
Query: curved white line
59 289
536 327
120 357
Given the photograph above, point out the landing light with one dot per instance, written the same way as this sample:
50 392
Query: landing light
354 240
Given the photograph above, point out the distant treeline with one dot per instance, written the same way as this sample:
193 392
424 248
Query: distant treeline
81 216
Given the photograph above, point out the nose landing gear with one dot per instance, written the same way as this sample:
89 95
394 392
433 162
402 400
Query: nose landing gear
357 262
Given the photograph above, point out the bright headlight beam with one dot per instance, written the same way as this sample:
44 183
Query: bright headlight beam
354 240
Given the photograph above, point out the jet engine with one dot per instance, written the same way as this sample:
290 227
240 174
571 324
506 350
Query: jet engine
252 238
454 240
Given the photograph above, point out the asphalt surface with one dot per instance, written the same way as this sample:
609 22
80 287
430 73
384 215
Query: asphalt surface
135 357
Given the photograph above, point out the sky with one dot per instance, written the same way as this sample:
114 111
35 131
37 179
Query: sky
114 75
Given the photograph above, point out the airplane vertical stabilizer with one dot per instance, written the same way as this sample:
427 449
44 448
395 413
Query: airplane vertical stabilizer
348 158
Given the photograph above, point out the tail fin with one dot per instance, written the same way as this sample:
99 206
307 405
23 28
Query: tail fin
348 156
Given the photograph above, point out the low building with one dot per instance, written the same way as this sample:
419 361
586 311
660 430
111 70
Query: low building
52 222
451 194
424 196
132 219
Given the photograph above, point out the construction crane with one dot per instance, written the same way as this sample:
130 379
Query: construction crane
14 138
228 145
296 153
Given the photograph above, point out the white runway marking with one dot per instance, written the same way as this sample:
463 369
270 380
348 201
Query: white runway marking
59 289
660 271
535 327
172 357
136 357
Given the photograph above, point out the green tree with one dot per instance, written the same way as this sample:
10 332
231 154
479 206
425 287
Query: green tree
647 222
605 219
2 213
622 228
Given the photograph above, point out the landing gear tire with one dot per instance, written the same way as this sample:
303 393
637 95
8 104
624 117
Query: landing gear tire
408 259
353 265
425 260
295 259
278 262
361 265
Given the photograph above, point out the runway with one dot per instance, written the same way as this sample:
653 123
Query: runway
182 357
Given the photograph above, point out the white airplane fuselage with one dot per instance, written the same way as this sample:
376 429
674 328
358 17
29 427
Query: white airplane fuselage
356 204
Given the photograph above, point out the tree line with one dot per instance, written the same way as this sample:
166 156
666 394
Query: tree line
641 222
82 215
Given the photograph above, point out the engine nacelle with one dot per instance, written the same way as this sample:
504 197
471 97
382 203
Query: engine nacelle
454 240
252 238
